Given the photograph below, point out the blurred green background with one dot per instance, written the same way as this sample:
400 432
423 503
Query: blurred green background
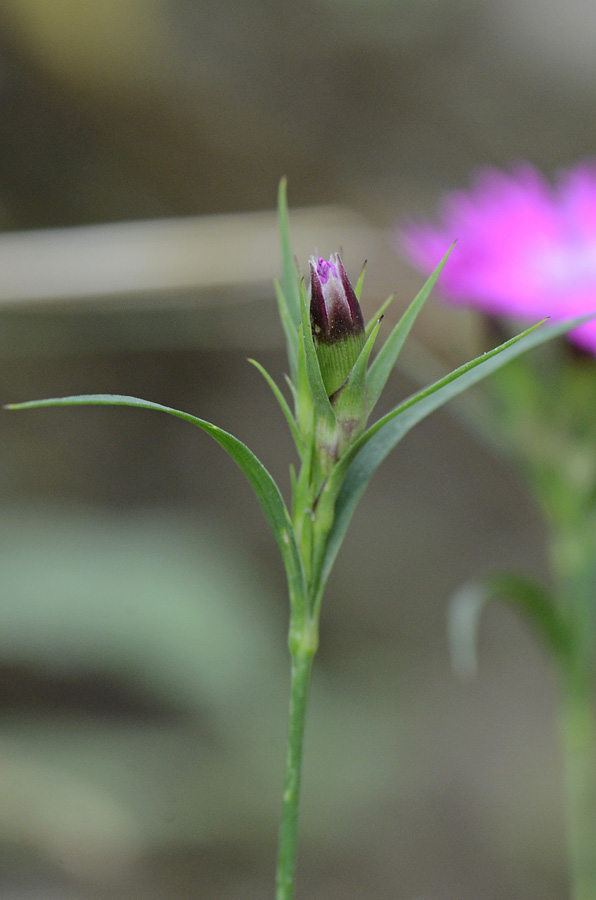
143 672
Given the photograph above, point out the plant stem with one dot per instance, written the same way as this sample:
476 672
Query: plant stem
578 729
575 567
302 659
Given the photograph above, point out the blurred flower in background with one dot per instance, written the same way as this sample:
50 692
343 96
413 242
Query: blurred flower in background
526 249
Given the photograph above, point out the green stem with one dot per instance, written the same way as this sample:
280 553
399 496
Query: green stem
302 658
578 728
575 568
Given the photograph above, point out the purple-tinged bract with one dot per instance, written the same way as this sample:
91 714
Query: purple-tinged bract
336 321
525 249
334 310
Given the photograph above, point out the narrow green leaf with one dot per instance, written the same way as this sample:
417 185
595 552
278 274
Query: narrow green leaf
379 314
293 479
302 508
283 404
369 451
386 358
522 593
304 406
420 366
447 380
360 282
290 330
289 279
264 486
292 387
302 487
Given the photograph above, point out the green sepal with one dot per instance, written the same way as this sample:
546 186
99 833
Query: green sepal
323 409
312 398
336 360
386 358
522 593
351 401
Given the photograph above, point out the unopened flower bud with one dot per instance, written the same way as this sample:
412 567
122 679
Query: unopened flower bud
336 321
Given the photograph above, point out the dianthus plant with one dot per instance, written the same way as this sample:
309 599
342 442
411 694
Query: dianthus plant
526 244
334 385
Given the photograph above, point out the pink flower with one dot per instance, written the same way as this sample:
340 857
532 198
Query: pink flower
526 249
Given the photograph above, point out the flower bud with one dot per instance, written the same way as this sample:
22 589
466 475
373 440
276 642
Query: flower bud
336 321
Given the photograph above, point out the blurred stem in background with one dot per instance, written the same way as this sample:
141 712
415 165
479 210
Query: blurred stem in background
578 733
543 411
573 560
552 435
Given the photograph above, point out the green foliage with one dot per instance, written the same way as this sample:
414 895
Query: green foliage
337 460
360 282
369 451
298 440
265 487
379 314
288 296
386 358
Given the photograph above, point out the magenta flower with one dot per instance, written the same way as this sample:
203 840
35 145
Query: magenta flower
526 249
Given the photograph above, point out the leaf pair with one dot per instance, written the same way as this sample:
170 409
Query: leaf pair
378 441
350 476
266 489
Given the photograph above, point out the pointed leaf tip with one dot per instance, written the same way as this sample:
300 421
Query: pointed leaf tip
371 448
387 356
